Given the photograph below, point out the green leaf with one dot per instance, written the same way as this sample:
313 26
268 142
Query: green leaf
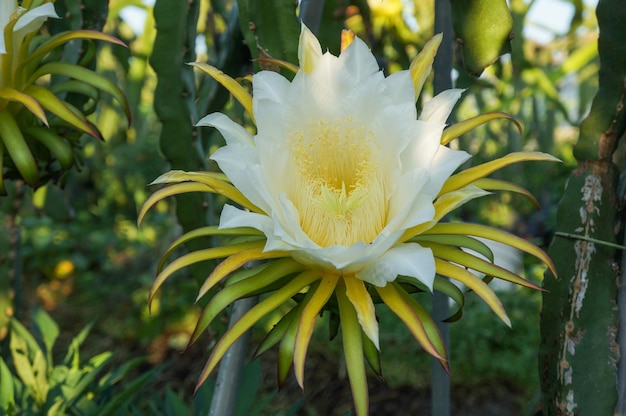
130 389
26 100
56 106
23 366
72 357
48 329
84 75
7 392
94 367
174 405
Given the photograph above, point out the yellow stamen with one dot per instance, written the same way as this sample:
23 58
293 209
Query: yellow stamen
339 188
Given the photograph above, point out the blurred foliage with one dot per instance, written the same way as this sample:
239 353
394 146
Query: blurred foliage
33 384
84 258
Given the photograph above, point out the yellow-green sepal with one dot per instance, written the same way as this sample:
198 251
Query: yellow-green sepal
251 317
227 295
456 240
3 188
267 60
251 251
423 63
240 93
472 174
287 346
218 183
481 288
489 184
60 39
208 231
494 234
465 126
416 319
352 339
277 333
470 261
325 289
372 355
453 292
192 258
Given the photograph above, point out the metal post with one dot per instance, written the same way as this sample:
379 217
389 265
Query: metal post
231 368
442 67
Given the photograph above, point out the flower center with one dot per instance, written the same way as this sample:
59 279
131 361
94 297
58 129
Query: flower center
338 187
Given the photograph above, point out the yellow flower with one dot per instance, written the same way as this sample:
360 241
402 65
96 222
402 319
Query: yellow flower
343 187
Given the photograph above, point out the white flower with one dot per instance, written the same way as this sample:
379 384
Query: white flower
342 191
341 165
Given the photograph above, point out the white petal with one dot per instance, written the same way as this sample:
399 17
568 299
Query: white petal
232 217
309 49
407 205
424 145
410 260
445 163
34 18
400 86
359 61
7 7
269 85
232 132
438 109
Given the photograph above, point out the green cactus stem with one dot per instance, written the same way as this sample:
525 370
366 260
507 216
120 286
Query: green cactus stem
579 349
